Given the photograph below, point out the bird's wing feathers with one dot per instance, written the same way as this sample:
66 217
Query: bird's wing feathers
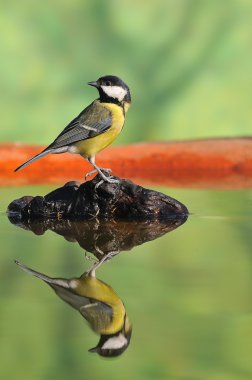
91 122
98 314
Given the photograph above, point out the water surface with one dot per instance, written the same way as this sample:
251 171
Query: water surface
188 295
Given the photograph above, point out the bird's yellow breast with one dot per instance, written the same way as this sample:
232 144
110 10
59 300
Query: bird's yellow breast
90 147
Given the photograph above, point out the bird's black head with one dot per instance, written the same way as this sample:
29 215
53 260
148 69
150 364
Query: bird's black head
112 89
113 345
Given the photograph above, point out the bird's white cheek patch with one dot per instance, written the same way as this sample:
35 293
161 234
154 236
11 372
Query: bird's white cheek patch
115 92
115 343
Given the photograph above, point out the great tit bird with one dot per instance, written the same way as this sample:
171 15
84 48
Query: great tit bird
96 127
98 304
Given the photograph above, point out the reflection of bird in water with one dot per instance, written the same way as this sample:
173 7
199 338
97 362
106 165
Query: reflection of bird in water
98 304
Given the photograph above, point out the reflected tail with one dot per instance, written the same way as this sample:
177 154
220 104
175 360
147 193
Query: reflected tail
48 280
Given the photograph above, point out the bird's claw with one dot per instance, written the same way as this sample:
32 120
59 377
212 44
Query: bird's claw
106 170
109 180
90 173
98 184
112 180
105 258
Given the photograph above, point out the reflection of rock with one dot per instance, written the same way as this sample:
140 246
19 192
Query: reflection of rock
122 200
98 304
102 237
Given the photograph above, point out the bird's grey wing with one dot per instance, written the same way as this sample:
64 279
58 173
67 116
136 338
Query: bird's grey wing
98 314
91 122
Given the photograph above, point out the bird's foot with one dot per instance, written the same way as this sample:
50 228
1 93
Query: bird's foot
98 184
107 257
88 256
90 173
111 180
106 170
105 179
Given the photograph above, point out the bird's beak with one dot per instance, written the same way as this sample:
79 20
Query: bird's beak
95 349
93 83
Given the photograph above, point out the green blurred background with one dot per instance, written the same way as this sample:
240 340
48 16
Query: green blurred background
189 295
188 64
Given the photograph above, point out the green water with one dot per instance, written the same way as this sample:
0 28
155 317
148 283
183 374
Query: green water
188 295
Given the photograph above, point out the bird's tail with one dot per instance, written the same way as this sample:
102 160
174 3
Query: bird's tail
33 272
35 158
48 280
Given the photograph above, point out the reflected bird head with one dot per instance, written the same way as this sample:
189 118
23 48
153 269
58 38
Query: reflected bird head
114 345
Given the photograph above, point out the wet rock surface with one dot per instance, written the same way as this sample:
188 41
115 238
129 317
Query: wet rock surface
102 237
119 201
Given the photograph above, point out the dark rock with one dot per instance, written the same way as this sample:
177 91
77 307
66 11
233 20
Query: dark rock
122 200
101 237
19 204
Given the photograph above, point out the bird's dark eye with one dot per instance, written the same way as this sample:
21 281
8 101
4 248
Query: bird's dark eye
107 83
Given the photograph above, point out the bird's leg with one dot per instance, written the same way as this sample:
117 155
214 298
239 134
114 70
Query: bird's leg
91 160
91 272
95 171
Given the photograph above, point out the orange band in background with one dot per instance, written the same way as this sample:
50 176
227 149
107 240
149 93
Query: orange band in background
211 164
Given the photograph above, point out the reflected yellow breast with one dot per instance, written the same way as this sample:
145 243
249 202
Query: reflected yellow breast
90 147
